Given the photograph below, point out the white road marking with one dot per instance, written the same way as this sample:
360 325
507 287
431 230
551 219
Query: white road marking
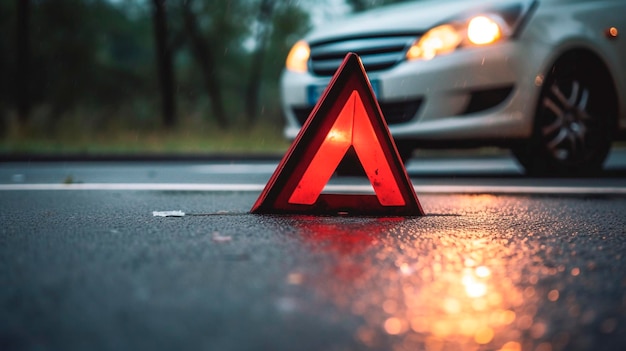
366 189
414 167
135 186
499 166
476 166
265 168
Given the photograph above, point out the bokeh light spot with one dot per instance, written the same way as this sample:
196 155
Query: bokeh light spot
393 326
483 335
483 272
511 346
553 295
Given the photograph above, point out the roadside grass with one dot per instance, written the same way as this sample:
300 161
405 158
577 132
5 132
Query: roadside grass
186 139
193 136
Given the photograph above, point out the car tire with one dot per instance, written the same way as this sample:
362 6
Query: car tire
574 119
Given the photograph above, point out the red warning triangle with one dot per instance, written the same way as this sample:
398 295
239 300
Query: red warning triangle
347 115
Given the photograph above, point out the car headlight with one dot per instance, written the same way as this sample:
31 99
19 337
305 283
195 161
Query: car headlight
439 40
298 57
478 30
484 30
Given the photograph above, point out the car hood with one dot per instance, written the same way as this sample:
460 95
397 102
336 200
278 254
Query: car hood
413 17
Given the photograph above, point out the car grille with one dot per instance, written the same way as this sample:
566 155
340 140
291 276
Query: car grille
393 112
377 52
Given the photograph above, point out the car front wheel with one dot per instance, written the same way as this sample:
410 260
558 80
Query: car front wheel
573 121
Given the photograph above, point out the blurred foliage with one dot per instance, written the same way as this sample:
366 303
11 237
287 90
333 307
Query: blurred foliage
92 72
190 137
92 63
362 5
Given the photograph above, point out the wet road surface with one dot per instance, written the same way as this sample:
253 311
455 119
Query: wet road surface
96 270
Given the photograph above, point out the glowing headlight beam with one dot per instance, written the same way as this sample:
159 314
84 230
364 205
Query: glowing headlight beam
298 57
437 41
483 30
446 38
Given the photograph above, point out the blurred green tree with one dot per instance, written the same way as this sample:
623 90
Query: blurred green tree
88 53
164 61
289 23
22 78
213 30
260 35
6 30
362 5
125 62
277 26
231 38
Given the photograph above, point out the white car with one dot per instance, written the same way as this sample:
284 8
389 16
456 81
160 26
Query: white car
546 78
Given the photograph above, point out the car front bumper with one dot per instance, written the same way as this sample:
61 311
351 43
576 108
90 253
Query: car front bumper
483 94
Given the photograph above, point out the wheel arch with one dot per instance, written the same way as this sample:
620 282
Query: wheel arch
532 154
587 56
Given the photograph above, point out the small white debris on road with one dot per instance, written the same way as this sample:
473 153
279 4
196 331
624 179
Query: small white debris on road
217 237
168 213
295 279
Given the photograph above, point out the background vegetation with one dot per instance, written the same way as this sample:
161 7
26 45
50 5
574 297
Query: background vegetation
146 75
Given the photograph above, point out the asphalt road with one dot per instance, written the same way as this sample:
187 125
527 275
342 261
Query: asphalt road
539 264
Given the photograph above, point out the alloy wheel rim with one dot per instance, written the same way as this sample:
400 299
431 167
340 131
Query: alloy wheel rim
566 131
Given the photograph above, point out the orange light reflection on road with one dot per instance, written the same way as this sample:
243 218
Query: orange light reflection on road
449 293
462 304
